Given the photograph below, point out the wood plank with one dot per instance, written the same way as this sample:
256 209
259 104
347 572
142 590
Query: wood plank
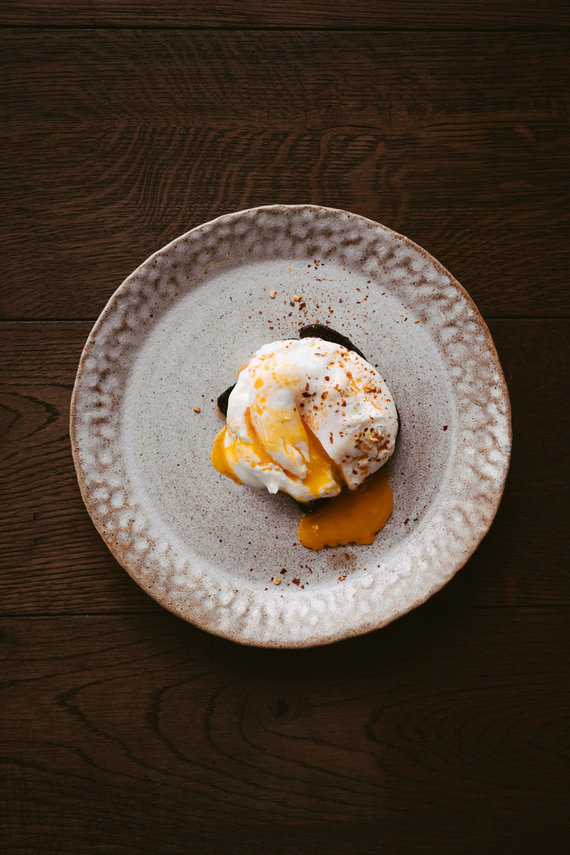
54 561
389 14
143 732
116 142
90 226
394 81
45 529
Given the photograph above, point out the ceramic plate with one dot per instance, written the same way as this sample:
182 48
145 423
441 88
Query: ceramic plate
171 339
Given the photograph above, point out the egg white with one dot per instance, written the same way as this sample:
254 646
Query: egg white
309 383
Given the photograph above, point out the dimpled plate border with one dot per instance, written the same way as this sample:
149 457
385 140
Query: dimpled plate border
460 515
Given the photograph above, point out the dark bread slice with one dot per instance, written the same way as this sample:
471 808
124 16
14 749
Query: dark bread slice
223 399
328 334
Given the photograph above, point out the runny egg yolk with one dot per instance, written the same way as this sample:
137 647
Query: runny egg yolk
284 440
353 516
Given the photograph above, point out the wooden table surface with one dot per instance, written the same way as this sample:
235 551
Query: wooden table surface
126 730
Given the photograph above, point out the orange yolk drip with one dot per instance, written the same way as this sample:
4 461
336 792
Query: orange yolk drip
219 458
321 470
352 517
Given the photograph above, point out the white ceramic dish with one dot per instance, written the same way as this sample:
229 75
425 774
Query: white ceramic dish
172 338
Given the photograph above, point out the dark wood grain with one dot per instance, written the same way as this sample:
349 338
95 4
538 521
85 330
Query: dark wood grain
54 560
392 82
116 142
125 730
142 734
365 14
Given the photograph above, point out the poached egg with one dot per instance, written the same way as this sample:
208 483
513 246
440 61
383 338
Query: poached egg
308 417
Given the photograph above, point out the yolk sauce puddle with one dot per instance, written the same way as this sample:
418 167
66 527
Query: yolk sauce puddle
354 516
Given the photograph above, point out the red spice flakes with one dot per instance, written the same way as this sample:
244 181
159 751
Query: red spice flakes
444 427
296 581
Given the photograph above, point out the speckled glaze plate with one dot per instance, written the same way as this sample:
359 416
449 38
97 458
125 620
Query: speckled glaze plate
171 339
